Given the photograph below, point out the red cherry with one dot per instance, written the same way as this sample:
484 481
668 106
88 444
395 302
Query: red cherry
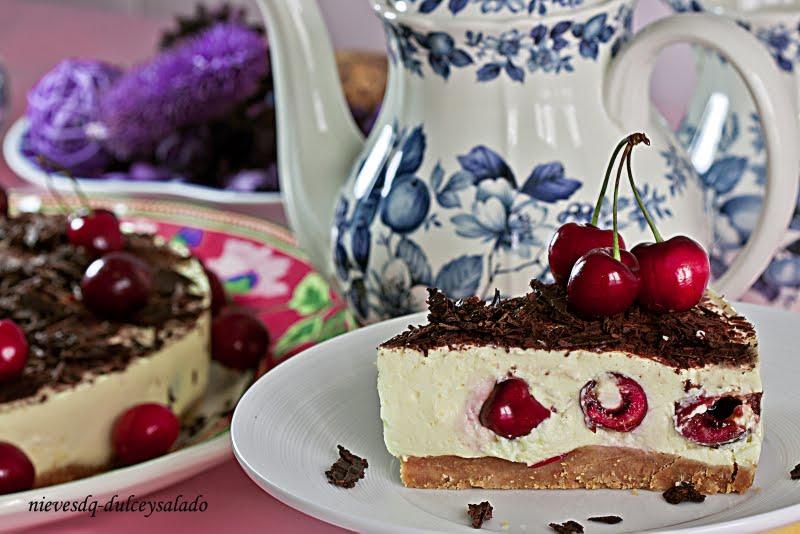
674 274
625 416
573 240
16 470
143 432
218 296
97 231
238 339
13 351
116 285
601 286
511 411
713 421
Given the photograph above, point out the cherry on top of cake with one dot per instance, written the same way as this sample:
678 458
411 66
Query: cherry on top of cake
708 333
40 278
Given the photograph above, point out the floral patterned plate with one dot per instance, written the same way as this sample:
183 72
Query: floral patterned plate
263 270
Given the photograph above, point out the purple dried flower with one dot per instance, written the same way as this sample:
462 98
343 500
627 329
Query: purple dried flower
200 80
61 106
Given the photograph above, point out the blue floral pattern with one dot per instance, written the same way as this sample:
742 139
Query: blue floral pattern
455 7
383 269
513 53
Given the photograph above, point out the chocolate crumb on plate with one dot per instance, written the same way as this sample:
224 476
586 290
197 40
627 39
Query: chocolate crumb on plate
795 473
607 519
682 493
347 470
568 527
479 513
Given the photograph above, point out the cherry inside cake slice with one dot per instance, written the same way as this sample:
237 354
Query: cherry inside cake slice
522 393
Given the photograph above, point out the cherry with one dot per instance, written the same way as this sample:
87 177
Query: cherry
13 351
116 285
600 285
16 470
238 339
511 411
218 296
713 421
143 432
674 274
573 240
97 231
625 416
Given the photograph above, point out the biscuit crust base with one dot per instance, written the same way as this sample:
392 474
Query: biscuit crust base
591 467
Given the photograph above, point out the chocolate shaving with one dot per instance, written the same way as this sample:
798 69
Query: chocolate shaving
347 470
607 519
542 320
568 527
479 513
682 493
40 275
795 473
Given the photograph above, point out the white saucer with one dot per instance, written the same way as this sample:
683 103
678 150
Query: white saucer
286 428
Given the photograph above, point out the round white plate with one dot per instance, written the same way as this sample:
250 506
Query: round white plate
286 428
30 172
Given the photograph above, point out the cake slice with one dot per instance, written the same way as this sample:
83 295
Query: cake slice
522 393
85 370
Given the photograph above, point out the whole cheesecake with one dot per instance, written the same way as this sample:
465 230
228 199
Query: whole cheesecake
522 393
85 370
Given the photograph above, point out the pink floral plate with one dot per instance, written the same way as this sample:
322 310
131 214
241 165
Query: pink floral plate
263 270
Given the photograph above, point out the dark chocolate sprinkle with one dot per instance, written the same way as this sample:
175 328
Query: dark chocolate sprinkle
40 274
347 470
479 513
568 527
795 473
542 320
607 519
682 493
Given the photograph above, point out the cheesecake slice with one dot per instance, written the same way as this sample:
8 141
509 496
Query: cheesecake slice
522 393
84 370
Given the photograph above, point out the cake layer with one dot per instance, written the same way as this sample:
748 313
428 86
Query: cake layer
431 403
71 428
590 467
709 333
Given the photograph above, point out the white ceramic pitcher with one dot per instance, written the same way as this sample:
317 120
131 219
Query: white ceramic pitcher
497 124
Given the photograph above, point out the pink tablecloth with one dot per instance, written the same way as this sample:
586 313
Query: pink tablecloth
33 37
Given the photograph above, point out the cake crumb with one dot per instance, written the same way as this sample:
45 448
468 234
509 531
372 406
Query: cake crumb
635 492
795 473
347 470
607 519
568 527
683 492
479 513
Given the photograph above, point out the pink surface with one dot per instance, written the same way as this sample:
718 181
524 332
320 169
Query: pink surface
36 35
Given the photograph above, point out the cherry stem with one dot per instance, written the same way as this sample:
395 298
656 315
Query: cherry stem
599 204
51 187
642 207
84 200
625 156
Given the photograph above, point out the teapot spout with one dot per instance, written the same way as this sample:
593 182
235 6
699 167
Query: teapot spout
318 139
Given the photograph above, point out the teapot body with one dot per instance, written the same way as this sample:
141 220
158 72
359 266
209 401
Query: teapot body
723 134
490 137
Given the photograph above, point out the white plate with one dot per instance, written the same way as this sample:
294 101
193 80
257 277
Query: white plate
286 428
225 387
30 172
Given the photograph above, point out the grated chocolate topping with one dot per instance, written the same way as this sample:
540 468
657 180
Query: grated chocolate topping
40 275
542 320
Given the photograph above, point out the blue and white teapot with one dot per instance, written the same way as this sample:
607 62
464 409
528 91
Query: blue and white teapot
723 134
497 124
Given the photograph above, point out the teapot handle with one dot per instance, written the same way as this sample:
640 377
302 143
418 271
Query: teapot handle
627 91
